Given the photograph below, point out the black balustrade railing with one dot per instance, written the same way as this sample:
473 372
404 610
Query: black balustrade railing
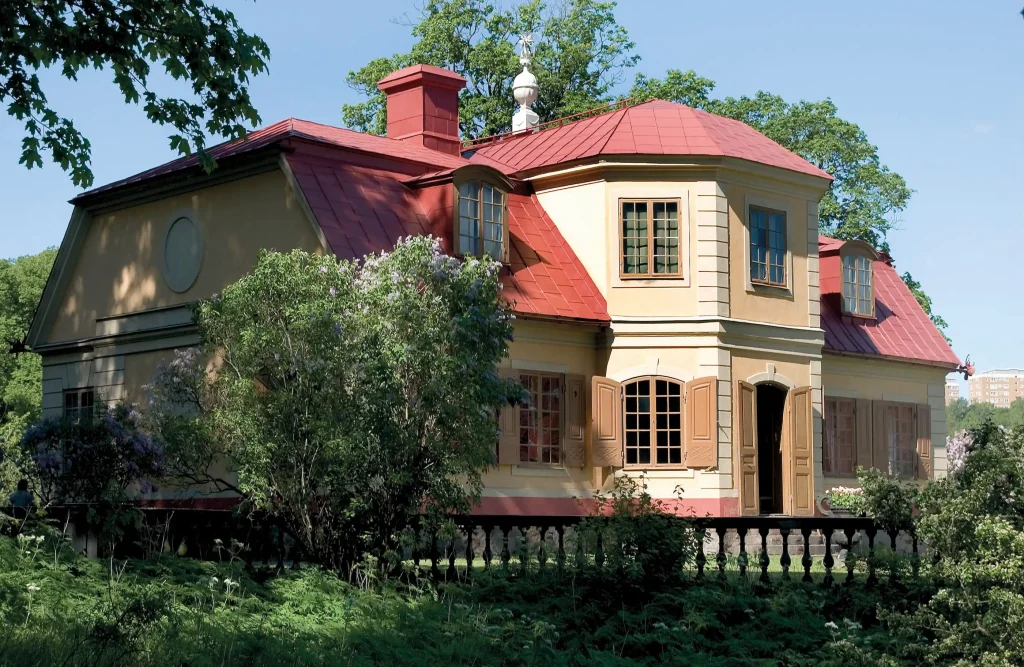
761 548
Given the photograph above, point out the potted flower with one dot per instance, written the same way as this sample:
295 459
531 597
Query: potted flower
844 501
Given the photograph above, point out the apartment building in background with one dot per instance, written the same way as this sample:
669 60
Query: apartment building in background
999 386
952 390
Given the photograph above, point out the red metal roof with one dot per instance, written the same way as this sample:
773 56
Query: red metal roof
294 128
653 128
363 210
901 329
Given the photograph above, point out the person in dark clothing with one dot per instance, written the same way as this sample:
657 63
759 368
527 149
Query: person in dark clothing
22 497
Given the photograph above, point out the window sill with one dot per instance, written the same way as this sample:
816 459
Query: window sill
775 291
651 281
539 470
666 472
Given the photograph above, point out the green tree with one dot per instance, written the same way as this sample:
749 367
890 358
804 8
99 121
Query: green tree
581 54
21 376
191 40
956 414
350 395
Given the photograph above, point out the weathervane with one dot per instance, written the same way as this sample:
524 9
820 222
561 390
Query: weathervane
525 88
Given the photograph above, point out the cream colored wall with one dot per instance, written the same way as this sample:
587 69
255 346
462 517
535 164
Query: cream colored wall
850 377
120 266
586 214
551 348
769 304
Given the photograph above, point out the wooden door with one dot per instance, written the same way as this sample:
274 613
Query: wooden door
800 411
745 434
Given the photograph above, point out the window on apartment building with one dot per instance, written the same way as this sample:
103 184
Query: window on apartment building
540 419
767 246
481 224
902 440
840 441
649 234
654 422
78 404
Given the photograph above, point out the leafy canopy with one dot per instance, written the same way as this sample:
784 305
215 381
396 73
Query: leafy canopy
191 40
346 395
21 376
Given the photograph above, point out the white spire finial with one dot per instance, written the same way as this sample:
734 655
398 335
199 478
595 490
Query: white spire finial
525 89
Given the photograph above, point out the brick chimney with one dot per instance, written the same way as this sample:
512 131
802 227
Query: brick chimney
423 107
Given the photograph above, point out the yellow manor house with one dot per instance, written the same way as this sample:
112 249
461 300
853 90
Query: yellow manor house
678 313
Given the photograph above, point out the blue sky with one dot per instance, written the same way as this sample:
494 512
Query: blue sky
937 86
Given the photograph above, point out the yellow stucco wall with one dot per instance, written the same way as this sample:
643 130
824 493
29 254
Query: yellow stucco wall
120 266
768 304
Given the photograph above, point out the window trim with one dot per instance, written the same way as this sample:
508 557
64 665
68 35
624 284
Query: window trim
762 288
857 249
650 201
493 178
654 465
768 211
520 372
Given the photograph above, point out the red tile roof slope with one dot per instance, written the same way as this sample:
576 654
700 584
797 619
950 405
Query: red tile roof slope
362 211
294 128
902 328
653 128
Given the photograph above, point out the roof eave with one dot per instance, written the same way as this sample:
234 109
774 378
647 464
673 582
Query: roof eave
947 365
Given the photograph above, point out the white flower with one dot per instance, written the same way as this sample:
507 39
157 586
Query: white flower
32 588
831 626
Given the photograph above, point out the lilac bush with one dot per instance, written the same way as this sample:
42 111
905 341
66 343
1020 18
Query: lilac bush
957 447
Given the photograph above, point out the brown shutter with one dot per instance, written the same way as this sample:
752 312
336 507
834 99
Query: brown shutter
606 431
508 422
880 441
701 430
744 428
924 441
802 423
863 453
574 446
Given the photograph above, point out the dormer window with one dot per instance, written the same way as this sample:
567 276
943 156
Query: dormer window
481 223
858 260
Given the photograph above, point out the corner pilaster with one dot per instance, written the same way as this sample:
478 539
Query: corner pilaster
712 250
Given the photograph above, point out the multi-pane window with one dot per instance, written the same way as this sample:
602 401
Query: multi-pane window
654 422
902 440
650 237
540 419
840 436
858 298
78 405
767 246
481 220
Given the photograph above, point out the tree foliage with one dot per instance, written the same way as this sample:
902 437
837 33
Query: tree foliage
21 376
190 40
971 416
581 54
347 396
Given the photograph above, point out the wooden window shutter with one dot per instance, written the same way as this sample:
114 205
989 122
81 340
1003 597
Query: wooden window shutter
701 432
863 455
880 436
574 447
606 431
744 428
924 441
508 422
802 423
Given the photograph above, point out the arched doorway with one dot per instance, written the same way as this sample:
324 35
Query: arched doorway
771 407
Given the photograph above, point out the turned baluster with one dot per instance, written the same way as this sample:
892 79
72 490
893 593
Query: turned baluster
806 560
542 551
720 558
560 558
581 554
742 558
785 560
488 554
764 560
894 572
829 561
506 553
599 549
435 571
850 533
470 555
916 557
701 559
871 532
449 574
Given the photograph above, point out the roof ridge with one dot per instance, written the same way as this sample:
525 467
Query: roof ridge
624 111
